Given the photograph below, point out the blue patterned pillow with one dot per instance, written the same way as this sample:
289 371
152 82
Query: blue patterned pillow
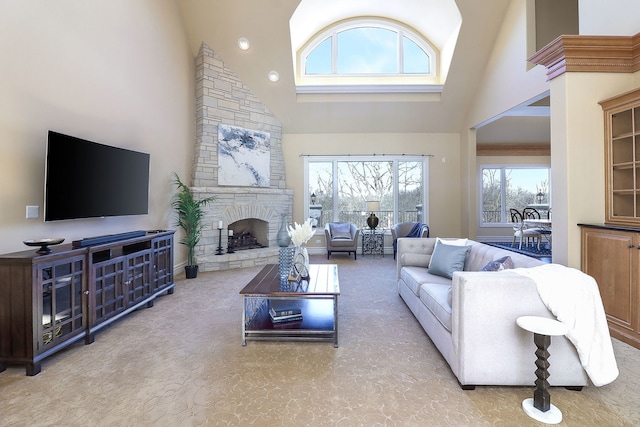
503 263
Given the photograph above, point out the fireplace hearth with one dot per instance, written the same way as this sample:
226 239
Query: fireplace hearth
253 217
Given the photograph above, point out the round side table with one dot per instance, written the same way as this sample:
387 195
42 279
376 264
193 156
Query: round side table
539 407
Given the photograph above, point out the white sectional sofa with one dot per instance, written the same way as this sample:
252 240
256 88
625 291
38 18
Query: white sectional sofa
471 318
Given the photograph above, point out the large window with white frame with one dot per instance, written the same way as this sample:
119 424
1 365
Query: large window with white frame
505 187
368 47
337 189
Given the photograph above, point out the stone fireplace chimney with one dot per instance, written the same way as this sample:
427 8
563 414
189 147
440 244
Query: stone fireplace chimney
221 98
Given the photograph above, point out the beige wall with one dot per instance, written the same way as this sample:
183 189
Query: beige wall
117 72
444 167
577 154
507 81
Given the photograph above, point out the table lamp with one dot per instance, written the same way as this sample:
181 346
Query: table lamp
372 221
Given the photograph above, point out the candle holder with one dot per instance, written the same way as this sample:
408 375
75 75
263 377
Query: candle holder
219 251
230 244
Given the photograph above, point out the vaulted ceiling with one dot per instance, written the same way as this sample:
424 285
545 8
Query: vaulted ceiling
266 24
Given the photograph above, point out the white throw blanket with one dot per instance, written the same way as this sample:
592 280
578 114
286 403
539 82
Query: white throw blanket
573 297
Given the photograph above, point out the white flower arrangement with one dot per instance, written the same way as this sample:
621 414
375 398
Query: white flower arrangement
300 234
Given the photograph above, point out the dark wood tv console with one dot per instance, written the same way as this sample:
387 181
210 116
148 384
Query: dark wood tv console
49 301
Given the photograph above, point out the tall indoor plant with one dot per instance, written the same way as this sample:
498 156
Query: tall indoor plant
190 214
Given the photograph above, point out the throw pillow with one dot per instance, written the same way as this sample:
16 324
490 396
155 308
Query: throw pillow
447 258
452 242
340 231
503 263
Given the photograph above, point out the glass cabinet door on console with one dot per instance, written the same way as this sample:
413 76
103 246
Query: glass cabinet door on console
61 290
120 279
138 280
163 261
108 289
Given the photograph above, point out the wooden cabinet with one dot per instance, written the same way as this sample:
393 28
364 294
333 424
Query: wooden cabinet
611 255
43 304
622 158
50 301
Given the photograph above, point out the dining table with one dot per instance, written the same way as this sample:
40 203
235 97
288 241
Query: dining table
544 224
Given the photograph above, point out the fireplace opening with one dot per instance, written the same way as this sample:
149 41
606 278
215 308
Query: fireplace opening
250 233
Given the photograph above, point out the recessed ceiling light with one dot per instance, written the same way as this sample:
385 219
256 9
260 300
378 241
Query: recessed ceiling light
274 76
243 43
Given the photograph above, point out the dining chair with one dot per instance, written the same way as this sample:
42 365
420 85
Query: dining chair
532 213
521 230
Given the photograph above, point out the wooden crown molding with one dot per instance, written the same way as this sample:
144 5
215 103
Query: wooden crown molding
513 149
607 54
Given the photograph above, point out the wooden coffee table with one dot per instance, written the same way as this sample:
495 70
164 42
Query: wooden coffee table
318 301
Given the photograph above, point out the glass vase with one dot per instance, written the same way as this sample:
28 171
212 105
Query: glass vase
282 238
285 261
301 256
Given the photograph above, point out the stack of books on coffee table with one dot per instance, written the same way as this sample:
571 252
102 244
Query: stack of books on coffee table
285 314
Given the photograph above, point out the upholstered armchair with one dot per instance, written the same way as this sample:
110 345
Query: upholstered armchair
341 237
407 229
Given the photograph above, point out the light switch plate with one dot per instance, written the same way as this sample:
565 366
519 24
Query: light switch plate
33 212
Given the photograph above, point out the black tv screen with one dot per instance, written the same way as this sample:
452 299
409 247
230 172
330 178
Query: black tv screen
84 179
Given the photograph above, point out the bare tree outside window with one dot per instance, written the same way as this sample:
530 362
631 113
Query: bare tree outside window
504 188
356 182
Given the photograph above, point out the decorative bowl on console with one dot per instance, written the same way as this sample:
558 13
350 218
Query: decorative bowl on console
44 244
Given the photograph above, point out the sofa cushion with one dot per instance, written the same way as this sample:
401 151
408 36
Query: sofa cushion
447 258
340 231
500 264
415 277
434 297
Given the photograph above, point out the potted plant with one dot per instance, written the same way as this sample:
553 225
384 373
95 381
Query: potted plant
190 214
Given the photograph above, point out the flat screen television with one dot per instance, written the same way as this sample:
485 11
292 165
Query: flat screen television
84 179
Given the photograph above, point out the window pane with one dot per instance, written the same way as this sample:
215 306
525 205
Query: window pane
319 60
359 182
513 188
415 60
321 184
491 195
367 50
410 192
522 185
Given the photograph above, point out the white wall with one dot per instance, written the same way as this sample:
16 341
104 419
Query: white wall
117 72
611 17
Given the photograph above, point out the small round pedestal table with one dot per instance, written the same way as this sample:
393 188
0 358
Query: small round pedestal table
539 407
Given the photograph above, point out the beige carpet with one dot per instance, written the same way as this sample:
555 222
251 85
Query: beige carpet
181 363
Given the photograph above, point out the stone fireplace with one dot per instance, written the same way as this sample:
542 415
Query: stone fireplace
247 234
221 98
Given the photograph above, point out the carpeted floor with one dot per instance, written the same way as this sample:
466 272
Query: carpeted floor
181 363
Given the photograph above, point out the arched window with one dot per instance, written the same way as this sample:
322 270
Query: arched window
368 47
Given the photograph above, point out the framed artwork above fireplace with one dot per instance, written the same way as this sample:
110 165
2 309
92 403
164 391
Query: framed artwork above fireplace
244 157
